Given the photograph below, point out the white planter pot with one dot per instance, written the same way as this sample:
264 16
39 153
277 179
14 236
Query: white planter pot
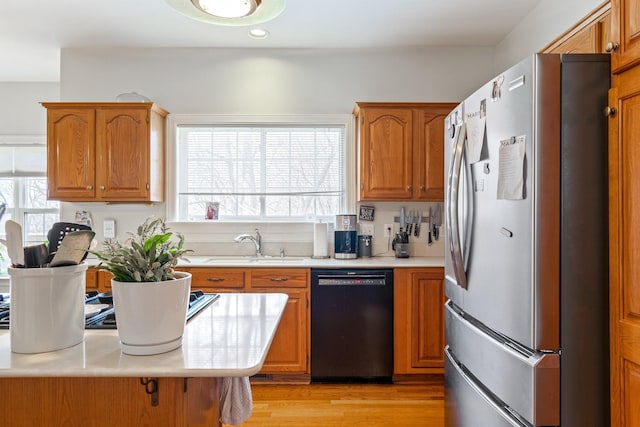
151 315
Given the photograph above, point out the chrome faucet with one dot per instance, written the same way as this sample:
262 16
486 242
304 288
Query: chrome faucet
257 240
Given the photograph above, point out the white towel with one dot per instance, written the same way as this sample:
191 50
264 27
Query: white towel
235 400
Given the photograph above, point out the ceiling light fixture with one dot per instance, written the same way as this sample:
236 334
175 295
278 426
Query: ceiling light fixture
229 12
227 8
258 33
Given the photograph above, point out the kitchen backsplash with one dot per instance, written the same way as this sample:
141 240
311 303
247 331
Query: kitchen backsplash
296 238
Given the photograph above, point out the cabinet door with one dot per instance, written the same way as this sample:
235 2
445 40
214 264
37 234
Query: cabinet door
625 30
624 257
92 279
71 154
418 321
289 348
122 138
385 154
427 321
429 152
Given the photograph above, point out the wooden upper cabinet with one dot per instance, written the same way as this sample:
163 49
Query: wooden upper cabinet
625 31
401 150
105 152
71 153
591 35
429 152
385 149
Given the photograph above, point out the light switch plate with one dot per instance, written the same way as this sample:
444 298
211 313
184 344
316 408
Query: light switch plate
366 229
109 228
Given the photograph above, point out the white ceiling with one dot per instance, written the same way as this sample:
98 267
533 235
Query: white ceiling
32 32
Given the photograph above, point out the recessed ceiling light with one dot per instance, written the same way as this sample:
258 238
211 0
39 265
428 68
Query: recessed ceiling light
258 33
203 10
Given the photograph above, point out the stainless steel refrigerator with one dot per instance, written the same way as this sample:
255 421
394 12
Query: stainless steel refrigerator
526 257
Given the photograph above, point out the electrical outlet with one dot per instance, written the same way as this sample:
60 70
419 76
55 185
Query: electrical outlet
388 229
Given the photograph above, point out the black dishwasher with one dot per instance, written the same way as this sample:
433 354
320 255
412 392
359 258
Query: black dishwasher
351 325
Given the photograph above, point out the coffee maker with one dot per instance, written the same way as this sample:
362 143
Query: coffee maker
345 237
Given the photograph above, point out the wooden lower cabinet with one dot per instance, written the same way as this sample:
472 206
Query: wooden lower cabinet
92 279
289 351
289 348
418 321
98 402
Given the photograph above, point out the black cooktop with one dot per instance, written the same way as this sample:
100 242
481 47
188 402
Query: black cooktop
106 318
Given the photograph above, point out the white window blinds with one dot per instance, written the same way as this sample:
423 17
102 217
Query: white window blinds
261 172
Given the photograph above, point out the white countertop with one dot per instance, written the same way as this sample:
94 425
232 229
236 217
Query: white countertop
307 262
230 338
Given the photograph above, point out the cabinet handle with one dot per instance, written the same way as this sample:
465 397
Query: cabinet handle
409 187
422 188
611 47
148 186
362 186
279 279
609 111
89 187
215 279
102 187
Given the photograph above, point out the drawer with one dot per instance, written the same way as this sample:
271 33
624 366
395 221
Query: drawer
216 277
279 278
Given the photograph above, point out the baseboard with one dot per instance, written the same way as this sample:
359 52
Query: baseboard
281 379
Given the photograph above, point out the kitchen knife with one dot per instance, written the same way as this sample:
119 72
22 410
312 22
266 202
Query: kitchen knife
410 222
401 219
417 229
430 240
438 222
14 243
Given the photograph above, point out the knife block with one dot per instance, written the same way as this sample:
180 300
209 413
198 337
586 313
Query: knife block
47 308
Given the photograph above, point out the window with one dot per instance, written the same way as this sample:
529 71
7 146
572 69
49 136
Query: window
261 171
23 188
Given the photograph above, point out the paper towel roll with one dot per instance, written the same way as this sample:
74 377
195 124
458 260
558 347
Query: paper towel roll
320 246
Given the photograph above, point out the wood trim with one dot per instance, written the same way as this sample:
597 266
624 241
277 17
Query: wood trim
595 16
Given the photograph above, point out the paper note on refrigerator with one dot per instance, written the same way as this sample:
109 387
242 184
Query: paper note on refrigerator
511 168
475 137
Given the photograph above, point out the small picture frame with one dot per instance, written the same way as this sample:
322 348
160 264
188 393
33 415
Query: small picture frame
212 210
367 213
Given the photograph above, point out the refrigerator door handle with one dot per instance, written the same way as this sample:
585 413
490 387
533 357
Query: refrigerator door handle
468 227
453 189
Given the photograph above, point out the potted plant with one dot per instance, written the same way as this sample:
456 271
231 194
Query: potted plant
150 298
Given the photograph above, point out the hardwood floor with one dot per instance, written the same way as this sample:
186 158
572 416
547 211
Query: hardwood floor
370 405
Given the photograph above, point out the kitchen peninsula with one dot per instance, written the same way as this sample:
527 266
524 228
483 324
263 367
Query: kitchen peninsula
95 384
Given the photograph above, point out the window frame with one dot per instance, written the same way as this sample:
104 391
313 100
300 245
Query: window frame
176 120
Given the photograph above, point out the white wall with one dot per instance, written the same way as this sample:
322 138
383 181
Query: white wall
544 24
20 109
272 81
210 81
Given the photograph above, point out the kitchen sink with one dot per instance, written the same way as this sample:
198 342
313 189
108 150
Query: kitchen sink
223 260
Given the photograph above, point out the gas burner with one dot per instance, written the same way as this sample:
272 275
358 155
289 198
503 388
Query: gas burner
106 318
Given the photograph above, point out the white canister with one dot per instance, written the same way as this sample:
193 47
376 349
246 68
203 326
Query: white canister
47 308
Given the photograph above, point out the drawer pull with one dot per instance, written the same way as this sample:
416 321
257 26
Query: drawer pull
279 279
215 279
